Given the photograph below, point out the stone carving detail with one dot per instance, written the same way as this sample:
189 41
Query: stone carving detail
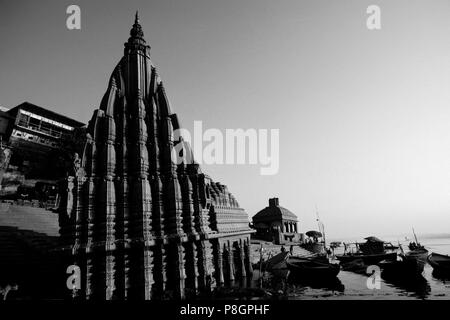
139 225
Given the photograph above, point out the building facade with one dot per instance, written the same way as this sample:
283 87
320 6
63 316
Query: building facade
275 223
5 121
38 128
137 223
30 133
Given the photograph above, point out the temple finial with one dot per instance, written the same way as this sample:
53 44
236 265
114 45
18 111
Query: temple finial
136 17
136 40
136 32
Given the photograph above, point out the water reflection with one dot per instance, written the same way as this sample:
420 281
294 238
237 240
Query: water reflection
331 284
417 285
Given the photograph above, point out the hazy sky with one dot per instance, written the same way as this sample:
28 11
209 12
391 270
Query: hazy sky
364 116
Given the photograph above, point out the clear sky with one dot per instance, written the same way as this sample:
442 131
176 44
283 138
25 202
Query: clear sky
364 116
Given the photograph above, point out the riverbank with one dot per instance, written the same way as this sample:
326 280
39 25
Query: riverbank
270 249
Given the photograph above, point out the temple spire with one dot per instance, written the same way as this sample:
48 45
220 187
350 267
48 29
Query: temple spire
136 17
133 219
136 31
136 39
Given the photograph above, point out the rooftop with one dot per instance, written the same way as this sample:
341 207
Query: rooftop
274 211
46 113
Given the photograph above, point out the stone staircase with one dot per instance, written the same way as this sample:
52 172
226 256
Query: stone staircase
11 254
29 218
270 250
28 239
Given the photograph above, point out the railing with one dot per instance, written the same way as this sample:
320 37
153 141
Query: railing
49 131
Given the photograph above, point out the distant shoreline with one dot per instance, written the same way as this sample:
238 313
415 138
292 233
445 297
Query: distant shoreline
400 237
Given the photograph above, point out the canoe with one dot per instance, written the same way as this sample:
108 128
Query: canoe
368 259
312 269
439 262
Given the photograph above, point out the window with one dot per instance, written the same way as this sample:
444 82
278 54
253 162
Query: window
34 123
23 120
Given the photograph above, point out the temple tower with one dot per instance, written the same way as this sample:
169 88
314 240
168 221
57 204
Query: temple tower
139 224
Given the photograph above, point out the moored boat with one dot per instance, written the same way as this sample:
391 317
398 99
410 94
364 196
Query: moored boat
314 243
439 262
367 259
413 262
314 247
418 256
312 268
402 268
371 252
390 246
276 261
356 266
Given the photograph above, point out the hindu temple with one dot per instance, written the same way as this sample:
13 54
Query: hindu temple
138 223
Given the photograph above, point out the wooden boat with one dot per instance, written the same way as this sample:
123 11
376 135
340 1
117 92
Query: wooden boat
390 246
413 262
356 266
410 264
276 261
439 262
368 259
371 252
314 247
420 255
373 245
312 268
314 257
440 275
401 268
335 244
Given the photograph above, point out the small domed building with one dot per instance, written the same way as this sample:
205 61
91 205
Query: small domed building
275 223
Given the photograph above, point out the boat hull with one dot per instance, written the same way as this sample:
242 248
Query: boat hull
367 259
356 266
417 257
439 262
312 270
407 267
317 247
276 261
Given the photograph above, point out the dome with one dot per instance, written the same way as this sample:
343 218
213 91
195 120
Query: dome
273 212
